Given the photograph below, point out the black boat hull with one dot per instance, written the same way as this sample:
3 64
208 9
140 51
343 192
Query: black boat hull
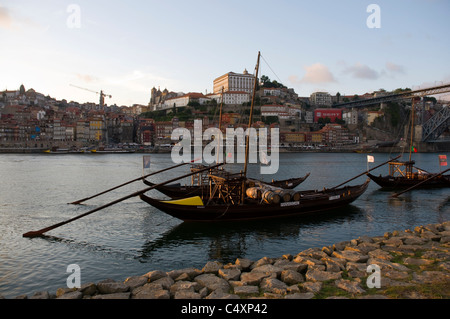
311 202
402 182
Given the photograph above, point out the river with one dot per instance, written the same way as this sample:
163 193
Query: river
133 238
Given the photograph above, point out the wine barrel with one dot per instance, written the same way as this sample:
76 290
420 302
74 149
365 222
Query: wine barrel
254 192
284 195
271 197
295 195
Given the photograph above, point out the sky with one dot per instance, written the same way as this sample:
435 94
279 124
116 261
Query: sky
126 48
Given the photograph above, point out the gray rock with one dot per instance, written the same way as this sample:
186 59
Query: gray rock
218 294
150 291
334 264
341 245
246 290
352 287
444 265
350 255
286 264
306 260
417 262
71 295
393 241
363 248
350 266
318 275
396 275
315 253
291 277
429 277
244 263
230 274
212 282
313 287
273 285
88 289
120 295
186 294
414 241
212 267
253 278
263 261
135 281
268 269
184 285
380 254
111 287
165 282
385 264
306 295
190 272
155 275
328 250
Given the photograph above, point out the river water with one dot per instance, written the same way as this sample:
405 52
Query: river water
133 238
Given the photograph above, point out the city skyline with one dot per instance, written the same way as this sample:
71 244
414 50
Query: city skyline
127 48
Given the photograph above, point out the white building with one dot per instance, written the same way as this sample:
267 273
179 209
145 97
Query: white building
184 100
350 116
320 99
283 112
231 97
234 82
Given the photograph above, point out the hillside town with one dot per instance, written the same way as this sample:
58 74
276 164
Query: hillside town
32 121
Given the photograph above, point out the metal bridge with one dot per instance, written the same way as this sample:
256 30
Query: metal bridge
431 129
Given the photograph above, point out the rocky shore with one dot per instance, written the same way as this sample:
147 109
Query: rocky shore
410 264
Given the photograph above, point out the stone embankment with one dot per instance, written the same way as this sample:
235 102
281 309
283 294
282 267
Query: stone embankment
407 264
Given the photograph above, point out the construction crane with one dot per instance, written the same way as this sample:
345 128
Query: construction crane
102 95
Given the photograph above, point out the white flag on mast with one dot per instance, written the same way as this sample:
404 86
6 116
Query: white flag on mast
370 159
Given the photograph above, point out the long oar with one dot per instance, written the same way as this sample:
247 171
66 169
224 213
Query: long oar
132 181
364 173
44 230
420 183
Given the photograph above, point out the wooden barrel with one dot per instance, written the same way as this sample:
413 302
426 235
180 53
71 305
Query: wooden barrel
271 197
284 195
254 192
295 195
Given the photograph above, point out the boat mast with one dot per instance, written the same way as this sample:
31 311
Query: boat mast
220 128
247 137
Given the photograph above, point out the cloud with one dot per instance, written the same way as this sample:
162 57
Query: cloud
10 20
395 68
315 73
362 71
86 78
5 18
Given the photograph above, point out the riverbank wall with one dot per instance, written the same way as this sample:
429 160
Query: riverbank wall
409 264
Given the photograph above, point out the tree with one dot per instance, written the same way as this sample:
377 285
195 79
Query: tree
265 80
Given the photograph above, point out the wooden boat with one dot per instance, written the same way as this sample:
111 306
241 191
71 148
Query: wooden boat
402 175
234 197
311 202
179 191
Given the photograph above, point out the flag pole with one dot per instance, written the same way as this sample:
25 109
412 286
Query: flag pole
364 173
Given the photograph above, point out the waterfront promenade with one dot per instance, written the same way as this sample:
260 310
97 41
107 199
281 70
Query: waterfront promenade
409 264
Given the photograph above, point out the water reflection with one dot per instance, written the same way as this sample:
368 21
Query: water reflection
227 241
